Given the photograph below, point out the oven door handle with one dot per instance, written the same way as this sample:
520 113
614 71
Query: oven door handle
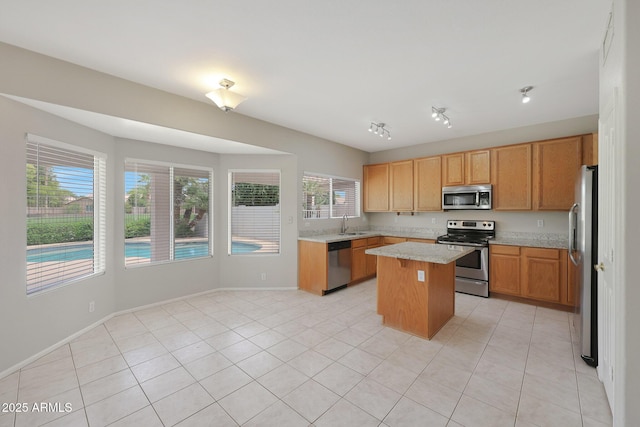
475 245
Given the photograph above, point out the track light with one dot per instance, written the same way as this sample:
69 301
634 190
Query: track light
525 94
438 114
379 129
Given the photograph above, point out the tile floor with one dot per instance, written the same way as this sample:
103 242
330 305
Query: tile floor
289 358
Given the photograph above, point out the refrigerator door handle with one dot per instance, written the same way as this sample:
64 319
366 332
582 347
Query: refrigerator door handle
573 238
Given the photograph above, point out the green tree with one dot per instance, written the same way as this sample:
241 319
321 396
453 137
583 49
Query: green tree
138 196
250 194
43 188
190 203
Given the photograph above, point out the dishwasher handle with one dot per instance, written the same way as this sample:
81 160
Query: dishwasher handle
336 246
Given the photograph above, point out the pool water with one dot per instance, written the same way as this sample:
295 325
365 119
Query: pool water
131 249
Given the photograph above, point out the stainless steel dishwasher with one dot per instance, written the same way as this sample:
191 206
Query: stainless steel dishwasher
339 274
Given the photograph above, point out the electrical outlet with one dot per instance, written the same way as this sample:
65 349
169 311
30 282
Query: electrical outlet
307 224
92 306
263 276
433 220
541 223
420 275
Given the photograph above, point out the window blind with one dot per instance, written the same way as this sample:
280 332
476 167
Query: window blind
255 212
329 197
66 189
167 211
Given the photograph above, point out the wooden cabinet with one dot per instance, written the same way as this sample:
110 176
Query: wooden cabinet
478 167
358 259
427 174
504 269
389 240
313 264
544 274
453 169
376 187
371 260
539 274
401 186
511 177
469 168
362 265
555 167
590 149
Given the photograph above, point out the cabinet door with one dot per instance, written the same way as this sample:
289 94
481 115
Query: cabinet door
478 167
511 177
556 164
389 240
544 274
372 260
376 187
358 263
401 184
427 173
504 269
313 264
453 169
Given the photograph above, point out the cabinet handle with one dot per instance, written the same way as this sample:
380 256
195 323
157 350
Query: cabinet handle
599 267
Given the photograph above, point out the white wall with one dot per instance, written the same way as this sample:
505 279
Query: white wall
30 325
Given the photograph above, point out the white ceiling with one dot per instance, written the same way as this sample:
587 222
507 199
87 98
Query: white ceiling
330 68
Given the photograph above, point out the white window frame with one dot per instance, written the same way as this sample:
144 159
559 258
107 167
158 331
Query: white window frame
171 231
357 202
99 211
230 212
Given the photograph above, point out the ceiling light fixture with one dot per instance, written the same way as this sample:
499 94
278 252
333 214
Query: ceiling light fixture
379 129
525 94
224 98
438 114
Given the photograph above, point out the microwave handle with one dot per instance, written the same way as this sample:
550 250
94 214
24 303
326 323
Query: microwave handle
477 198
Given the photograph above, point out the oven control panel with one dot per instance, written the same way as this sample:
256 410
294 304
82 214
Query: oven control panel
471 225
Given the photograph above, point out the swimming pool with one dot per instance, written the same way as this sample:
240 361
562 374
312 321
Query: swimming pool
131 249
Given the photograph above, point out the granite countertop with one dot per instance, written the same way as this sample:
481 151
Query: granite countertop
439 254
534 241
335 237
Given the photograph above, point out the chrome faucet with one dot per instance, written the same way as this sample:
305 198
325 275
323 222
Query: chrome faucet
344 227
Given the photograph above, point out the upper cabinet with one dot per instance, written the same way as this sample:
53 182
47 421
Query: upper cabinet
538 175
469 168
401 185
511 177
453 169
478 167
427 174
376 187
555 167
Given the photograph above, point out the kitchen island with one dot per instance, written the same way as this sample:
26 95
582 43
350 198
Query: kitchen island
416 285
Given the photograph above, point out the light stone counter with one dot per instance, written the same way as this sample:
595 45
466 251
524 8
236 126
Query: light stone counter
425 252
534 240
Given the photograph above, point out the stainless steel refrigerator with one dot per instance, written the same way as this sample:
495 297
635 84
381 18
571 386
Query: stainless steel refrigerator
583 251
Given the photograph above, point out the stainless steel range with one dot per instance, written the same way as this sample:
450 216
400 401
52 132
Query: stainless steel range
472 271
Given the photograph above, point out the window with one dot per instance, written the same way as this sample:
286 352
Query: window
254 218
329 197
166 212
66 188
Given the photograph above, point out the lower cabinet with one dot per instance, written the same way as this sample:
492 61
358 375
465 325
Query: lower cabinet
362 265
539 274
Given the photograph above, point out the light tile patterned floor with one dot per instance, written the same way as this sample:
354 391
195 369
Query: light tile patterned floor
288 358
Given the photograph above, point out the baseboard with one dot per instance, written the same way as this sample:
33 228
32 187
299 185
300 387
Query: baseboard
70 338
53 347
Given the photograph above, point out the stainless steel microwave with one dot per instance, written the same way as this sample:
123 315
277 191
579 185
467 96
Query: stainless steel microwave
469 197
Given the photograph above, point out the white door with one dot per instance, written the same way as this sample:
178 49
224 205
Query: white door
607 220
